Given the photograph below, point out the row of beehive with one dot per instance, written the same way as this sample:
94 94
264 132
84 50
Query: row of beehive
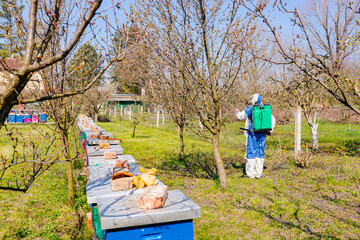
116 214
26 117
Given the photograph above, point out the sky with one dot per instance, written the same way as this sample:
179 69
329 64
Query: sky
278 18
283 20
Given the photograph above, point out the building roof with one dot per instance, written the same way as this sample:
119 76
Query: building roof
10 63
123 98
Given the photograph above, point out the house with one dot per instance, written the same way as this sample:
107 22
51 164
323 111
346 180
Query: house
9 66
122 101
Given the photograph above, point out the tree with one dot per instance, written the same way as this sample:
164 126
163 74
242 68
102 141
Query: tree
166 89
48 20
131 74
94 98
64 76
10 44
193 37
51 37
26 158
325 40
85 65
295 91
137 116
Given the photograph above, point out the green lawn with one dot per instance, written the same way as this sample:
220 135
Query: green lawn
289 202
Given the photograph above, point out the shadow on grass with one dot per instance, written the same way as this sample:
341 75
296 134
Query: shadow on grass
352 147
201 164
142 136
349 147
198 164
300 225
235 163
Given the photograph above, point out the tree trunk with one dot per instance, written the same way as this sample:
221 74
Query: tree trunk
96 117
69 169
313 128
10 95
219 161
133 135
315 142
297 144
182 147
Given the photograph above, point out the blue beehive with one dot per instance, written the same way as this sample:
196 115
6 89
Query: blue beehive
11 118
19 118
43 117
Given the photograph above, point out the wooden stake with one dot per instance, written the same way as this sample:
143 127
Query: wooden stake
297 131
163 117
157 117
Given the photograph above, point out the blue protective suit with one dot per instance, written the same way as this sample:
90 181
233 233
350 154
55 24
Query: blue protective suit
255 142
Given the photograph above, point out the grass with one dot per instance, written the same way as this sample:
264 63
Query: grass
43 212
319 202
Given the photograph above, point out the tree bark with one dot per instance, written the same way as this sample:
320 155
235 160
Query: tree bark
297 144
182 147
315 142
69 169
313 128
219 161
96 117
10 95
133 135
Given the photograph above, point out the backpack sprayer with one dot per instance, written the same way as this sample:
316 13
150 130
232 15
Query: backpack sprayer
261 119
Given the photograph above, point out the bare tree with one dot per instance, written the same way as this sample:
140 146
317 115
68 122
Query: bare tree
94 99
54 31
167 89
325 40
138 116
198 38
294 90
48 21
25 158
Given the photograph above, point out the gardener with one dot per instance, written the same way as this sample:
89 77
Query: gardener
255 141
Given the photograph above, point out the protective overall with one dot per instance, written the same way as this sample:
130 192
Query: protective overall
255 142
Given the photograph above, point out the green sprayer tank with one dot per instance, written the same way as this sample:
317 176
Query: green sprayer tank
262 118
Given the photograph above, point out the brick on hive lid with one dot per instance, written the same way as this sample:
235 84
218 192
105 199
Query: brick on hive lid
121 184
121 181
104 137
94 136
122 163
110 155
104 145
153 197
